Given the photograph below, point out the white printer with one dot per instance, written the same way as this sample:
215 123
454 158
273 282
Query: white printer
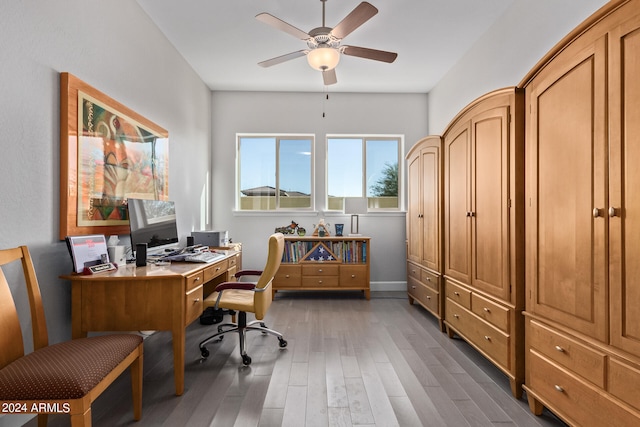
211 238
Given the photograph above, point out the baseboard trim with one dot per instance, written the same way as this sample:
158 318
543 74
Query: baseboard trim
388 286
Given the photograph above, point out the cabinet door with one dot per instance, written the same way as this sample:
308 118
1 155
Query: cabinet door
489 202
624 222
430 237
566 166
414 209
457 203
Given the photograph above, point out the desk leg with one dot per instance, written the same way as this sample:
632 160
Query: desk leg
76 311
178 338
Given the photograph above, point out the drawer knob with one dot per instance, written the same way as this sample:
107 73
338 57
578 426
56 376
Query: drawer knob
196 300
456 316
487 337
428 297
319 270
428 279
457 294
413 287
413 271
197 279
287 276
560 349
486 310
320 281
558 388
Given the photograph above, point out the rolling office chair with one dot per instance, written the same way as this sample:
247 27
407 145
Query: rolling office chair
247 297
60 378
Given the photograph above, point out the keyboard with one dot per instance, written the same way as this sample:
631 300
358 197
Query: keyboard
204 257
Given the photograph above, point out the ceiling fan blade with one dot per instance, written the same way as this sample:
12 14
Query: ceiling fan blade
329 77
282 58
358 16
376 55
282 26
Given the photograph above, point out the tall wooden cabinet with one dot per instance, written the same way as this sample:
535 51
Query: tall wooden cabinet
483 229
424 224
583 223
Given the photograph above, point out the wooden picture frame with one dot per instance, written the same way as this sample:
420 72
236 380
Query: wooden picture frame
107 153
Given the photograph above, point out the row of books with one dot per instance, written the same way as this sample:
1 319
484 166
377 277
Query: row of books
345 251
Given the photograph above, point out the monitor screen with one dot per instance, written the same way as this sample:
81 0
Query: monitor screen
153 222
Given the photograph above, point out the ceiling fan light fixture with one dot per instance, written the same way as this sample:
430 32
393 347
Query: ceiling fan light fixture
323 58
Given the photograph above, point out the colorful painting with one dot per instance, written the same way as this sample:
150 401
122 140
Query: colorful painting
108 154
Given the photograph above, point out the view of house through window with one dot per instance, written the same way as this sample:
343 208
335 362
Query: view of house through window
363 167
275 172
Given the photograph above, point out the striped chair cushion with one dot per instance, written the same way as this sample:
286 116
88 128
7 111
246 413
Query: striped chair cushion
67 370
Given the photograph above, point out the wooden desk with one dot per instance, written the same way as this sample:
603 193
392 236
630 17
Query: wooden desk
160 298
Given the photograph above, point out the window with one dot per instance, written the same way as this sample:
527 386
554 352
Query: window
360 166
275 172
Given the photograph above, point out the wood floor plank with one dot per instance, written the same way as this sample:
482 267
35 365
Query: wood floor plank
317 406
336 387
295 406
358 402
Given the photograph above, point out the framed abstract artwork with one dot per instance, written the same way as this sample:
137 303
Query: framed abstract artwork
108 153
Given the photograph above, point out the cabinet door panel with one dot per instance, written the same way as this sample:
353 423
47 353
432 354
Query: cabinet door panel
457 205
414 220
567 163
490 171
624 184
431 208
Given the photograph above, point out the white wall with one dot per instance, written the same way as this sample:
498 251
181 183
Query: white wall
505 53
113 46
262 112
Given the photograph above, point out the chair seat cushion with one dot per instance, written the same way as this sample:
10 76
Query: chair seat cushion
232 299
68 370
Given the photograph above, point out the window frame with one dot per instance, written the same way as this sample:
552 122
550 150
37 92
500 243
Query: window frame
278 137
364 138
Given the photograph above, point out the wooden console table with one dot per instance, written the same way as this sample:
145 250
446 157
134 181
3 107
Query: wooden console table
159 298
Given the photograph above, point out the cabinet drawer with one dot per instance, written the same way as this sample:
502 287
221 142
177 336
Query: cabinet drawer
429 279
288 276
426 296
215 270
413 271
490 311
488 339
233 261
320 281
195 280
566 392
353 276
320 270
458 294
567 352
623 382
193 305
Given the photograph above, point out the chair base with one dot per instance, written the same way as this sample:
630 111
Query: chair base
241 328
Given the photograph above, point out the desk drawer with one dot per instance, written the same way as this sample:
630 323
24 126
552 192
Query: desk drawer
458 294
194 280
193 305
215 270
490 311
567 352
288 276
320 270
320 281
413 271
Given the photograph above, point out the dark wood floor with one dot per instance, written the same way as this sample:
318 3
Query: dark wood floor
349 362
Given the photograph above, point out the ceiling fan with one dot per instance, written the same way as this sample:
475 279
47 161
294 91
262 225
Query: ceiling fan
323 42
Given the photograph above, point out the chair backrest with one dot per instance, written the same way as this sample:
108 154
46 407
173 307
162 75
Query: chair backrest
11 343
262 300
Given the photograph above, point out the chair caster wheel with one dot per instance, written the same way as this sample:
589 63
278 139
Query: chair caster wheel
283 342
246 360
204 352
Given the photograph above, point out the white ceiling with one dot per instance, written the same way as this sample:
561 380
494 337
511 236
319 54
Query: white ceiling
223 42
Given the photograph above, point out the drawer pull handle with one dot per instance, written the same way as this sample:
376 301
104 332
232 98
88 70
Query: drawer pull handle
560 349
413 287
196 300
197 279
287 276
487 337
457 294
428 297
486 310
428 279
413 271
557 387
320 281
353 276
456 316
319 270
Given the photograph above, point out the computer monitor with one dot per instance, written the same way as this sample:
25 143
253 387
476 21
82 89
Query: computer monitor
153 222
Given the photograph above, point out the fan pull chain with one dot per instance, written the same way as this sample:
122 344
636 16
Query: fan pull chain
326 97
